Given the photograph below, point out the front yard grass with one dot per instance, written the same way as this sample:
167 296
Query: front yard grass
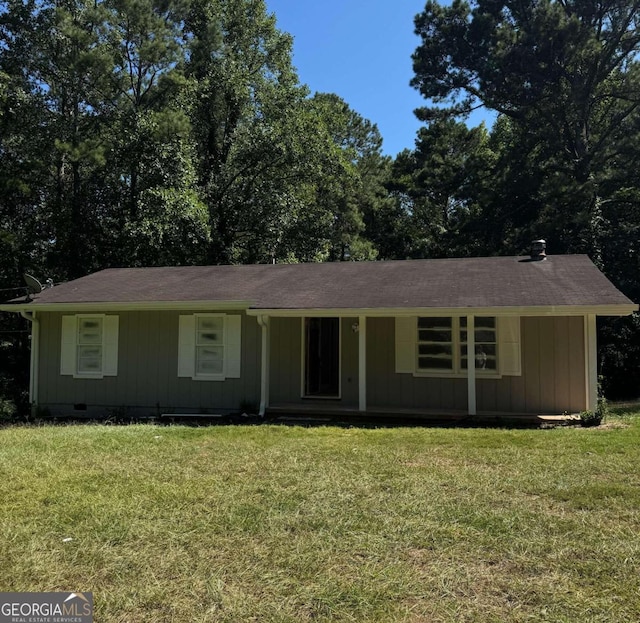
275 523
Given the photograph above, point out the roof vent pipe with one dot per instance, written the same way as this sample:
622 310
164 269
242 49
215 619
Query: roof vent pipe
538 250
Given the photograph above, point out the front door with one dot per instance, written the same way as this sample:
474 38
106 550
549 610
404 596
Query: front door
322 357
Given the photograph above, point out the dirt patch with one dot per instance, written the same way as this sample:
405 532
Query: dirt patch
611 425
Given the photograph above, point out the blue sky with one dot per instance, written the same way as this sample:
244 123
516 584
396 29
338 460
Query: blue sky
362 52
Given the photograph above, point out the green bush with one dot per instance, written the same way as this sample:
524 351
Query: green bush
7 409
591 418
603 407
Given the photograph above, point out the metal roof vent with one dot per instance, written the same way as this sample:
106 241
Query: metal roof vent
538 250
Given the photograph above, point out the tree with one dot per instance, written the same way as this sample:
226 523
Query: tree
153 209
564 71
351 190
277 170
245 118
444 182
22 146
69 70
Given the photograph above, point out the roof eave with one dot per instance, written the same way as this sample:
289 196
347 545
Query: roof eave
542 310
94 306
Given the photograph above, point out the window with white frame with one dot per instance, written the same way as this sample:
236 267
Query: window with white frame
486 344
442 345
436 344
89 345
209 346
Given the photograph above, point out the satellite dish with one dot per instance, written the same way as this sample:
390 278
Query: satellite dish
33 285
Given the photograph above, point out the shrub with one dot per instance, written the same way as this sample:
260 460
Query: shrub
7 409
603 407
591 418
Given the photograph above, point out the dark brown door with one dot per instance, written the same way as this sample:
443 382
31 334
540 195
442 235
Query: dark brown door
322 357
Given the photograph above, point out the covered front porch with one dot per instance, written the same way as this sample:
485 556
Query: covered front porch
335 414
346 365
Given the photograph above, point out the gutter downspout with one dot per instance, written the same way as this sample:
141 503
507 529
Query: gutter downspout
35 357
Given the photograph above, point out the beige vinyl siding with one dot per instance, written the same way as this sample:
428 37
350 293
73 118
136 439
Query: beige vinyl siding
552 381
285 346
388 389
552 378
349 363
286 363
147 369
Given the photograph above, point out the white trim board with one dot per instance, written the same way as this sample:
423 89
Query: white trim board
548 310
543 310
82 308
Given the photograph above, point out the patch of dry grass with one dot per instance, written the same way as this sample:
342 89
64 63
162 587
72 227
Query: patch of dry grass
286 524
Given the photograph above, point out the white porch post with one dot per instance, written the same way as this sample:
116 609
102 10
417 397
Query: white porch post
362 363
591 362
35 356
34 359
263 321
471 365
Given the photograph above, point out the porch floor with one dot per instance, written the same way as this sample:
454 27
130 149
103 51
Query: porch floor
334 414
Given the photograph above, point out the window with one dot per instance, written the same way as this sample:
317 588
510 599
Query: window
89 347
209 346
442 345
486 344
437 346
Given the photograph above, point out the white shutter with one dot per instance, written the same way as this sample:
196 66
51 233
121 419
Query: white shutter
187 346
509 350
68 350
406 344
233 344
110 345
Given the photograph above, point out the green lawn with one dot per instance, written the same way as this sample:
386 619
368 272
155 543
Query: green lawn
274 523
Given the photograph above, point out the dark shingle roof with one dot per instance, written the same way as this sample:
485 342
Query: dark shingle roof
561 280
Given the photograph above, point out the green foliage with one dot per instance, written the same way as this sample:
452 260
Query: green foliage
7 409
590 418
444 184
171 227
14 366
162 132
244 110
619 346
565 74
603 409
